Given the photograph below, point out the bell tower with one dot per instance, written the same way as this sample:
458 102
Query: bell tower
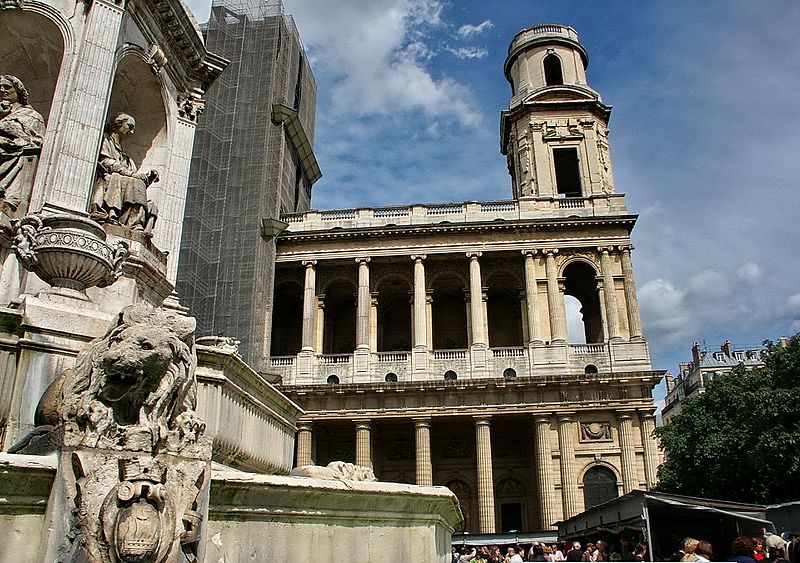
555 131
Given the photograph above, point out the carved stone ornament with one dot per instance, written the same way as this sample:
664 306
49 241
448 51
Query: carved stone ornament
338 470
156 58
68 252
595 431
10 4
562 130
134 461
227 344
190 107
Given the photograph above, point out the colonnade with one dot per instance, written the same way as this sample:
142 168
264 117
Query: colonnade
554 331
573 459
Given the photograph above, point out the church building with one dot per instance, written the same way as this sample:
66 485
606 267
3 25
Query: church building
431 342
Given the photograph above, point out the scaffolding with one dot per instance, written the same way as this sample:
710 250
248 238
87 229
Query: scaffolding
243 171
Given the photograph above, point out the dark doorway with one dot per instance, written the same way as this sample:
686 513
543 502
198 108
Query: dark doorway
511 516
568 178
599 486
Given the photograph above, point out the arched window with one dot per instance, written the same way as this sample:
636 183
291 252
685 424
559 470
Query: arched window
391 377
599 486
450 375
509 373
590 369
333 379
552 70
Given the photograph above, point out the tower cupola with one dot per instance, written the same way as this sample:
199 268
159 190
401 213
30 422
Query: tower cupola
545 55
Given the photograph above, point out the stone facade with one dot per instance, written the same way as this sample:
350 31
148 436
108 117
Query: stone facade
430 342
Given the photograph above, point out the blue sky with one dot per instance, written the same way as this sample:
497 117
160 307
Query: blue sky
704 135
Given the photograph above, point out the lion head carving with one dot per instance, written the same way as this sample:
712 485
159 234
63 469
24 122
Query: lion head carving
136 380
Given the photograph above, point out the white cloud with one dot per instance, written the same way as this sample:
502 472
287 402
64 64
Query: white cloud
378 66
468 52
749 272
665 312
468 30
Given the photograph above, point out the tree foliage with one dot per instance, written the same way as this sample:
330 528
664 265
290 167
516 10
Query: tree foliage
740 440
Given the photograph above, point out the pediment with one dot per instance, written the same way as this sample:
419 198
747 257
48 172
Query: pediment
562 93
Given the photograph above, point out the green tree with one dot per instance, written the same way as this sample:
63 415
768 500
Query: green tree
740 440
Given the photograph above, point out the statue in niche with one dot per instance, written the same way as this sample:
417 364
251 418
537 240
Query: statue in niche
120 190
21 131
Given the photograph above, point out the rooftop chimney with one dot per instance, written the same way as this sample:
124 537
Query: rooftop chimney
727 348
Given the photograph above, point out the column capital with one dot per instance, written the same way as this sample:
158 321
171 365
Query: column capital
418 257
529 252
363 259
474 254
305 425
541 419
482 419
566 418
624 416
626 247
422 421
646 413
549 251
309 263
363 423
605 249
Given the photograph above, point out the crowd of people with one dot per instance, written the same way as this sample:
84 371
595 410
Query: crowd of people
767 549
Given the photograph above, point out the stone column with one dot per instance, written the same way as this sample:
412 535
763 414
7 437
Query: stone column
483 440
630 479
601 297
309 304
567 432
67 183
632 302
373 321
648 425
558 321
420 316
429 317
304 441
544 473
530 297
612 315
423 441
319 324
363 445
476 299
362 310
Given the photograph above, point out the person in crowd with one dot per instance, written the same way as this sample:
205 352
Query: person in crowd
512 556
742 550
703 551
639 552
467 555
588 553
777 555
575 554
558 554
600 552
758 553
689 546
537 553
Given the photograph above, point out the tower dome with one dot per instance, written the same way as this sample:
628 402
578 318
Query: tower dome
545 55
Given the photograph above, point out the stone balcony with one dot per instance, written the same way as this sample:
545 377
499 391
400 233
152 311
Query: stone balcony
308 368
467 212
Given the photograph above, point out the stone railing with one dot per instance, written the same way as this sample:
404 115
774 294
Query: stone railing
329 359
389 357
449 354
277 361
470 211
583 349
251 422
510 352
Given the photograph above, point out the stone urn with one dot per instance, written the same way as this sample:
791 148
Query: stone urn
68 252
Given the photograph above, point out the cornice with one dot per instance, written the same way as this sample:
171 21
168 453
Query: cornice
438 228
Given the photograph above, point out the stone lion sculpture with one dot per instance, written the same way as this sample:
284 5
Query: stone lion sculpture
338 470
134 387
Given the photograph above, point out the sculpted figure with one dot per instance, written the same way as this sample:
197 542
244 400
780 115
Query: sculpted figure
134 387
120 191
338 470
21 127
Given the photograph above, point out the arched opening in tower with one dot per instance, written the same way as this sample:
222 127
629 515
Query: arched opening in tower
553 76
287 320
580 282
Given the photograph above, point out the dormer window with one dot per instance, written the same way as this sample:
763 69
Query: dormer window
552 70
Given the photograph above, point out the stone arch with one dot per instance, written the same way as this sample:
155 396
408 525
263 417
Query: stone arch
510 487
466 498
287 319
600 482
449 310
394 313
580 282
504 309
552 69
140 92
33 42
339 328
